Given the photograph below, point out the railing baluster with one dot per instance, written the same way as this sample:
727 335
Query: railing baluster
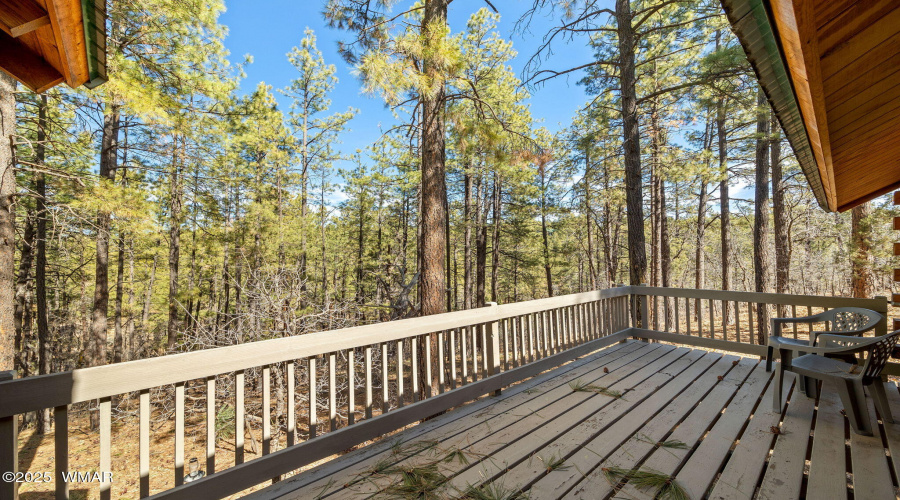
712 319
442 374
724 318
751 331
794 315
532 352
475 344
737 319
400 393
429 374
514 325
485 347
368 381
291 403
385 377
509 352
453 352
463 339
266 409
688 313
332 391
143 445
414 367
179 433
313 411
211 425
351 386
105 438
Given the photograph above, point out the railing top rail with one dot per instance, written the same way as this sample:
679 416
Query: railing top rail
876 304
46 391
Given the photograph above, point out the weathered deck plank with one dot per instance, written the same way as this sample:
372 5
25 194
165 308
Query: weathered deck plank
871 474
669 460
717 405
598 409
701 468
491 439
633 437
892 431
784 474
741 473
828 462
531 399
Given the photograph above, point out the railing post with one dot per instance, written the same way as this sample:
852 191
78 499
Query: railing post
9 448
645 310
883 308
493 351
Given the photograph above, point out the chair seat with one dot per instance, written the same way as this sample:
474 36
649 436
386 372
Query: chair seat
774 340
814 366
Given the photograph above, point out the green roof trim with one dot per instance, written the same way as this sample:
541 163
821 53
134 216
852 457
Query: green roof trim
754 25
94 19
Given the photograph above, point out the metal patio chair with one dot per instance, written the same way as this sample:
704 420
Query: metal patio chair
849 379
852 321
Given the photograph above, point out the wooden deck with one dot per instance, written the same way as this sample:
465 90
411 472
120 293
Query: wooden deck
701 417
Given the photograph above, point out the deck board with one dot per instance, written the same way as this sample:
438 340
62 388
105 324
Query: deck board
314 481
871 475
719 406
748 374
631 439
784 474
584 447
828 463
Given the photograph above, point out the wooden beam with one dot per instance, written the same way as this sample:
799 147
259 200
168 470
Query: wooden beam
18 17
796 30
68 30
26 66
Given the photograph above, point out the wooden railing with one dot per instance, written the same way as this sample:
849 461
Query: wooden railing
367 381
729 320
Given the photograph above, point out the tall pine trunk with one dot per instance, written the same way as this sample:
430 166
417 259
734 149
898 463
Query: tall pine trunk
495 240
779 219
109 143
542 170
862 280
7 222
118 338
634 199
434 187
761 259
175 206
724 207
467 240
40 258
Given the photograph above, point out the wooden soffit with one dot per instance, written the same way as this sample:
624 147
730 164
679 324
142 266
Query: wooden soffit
47 42
842 62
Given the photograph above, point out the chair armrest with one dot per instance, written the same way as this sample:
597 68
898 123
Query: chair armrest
815 318
774 342
832 344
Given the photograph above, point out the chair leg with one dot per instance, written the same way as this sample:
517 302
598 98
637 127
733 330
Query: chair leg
812 386
881 401
855 406
776 394
770 353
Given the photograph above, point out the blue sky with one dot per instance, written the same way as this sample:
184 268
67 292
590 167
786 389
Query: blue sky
269 33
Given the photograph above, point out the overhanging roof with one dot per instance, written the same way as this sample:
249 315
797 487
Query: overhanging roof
831 70
47 42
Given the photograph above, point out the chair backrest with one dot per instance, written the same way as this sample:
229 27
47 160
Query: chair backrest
879 352
853 320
